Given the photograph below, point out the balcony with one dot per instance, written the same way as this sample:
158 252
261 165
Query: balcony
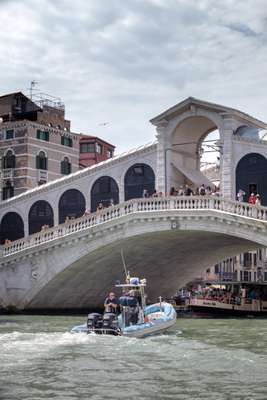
42 175
7 173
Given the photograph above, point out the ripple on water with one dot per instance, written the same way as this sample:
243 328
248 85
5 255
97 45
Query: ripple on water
209 360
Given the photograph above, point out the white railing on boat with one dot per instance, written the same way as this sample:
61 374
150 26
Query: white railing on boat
135 206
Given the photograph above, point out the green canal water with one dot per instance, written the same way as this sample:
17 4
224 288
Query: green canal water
218 359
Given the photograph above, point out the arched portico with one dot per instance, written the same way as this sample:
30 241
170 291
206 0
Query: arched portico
40 215
251 176
105 190
12 227
71 205
139 177
180 131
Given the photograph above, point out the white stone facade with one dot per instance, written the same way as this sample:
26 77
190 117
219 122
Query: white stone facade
174 158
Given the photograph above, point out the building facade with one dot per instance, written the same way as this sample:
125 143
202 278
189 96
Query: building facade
36 145
94 150
173 160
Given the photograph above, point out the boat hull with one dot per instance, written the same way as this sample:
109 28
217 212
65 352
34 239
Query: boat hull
159 318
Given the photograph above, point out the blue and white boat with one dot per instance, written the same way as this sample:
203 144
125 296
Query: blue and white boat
136 318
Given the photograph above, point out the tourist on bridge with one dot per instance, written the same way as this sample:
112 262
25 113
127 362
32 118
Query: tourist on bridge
100 207
202 190
258 200
240 195
145 193
188 191
252 199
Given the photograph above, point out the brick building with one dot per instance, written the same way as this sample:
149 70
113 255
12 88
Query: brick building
37 146
94 150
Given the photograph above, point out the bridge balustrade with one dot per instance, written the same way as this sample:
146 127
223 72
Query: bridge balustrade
135 206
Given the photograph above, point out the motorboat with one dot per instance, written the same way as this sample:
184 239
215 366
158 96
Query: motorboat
136 319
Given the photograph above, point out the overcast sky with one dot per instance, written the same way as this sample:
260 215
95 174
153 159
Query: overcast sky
118 63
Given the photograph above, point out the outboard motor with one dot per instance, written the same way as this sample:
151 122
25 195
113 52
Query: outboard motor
110 323
94 321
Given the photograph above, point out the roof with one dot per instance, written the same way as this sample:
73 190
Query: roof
11 94
185 104
89 137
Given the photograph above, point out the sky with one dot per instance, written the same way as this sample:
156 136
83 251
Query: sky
118 63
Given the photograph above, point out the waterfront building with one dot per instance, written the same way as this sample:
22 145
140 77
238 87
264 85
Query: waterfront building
37 145
94 150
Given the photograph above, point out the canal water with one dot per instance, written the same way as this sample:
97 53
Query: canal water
217 359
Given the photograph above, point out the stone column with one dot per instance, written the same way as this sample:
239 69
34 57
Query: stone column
227 167
161 186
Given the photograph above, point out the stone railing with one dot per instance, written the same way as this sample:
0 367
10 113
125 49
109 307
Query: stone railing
136 206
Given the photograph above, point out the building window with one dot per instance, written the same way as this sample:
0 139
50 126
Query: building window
110 153
99 148
87 148
65 166
10 134
66 141
42 135
9 160
41 161
265 275
8 191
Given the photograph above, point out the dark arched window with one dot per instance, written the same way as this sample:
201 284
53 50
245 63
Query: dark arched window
12 227
9 160
105 190
251 176
137 178
71 205
65 166
41 161
41 214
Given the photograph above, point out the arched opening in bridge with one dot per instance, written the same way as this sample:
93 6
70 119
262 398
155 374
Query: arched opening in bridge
71 205
40 216
251 173
12 227
194 155
106 191
138 178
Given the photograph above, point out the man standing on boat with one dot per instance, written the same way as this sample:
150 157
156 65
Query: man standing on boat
111 304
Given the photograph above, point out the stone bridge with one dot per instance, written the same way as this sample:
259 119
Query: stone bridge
168 240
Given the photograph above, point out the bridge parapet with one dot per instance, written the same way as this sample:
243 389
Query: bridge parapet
192 203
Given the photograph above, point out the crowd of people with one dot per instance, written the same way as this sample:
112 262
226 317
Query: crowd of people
229 297
254 199
203 190
186 190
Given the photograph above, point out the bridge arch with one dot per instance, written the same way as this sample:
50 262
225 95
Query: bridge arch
12 227
40 214
71 204
138 177
104 190
251 173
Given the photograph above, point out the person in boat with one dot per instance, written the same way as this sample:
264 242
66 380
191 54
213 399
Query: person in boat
111 304
131 306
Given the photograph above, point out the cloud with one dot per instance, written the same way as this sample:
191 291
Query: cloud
124 62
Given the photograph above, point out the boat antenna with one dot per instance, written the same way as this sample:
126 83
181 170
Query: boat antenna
124 265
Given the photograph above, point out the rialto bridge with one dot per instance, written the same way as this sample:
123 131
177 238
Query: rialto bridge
74 262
